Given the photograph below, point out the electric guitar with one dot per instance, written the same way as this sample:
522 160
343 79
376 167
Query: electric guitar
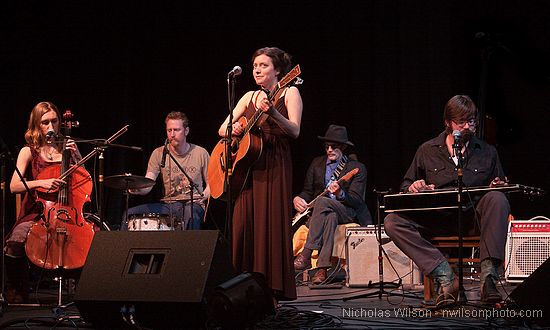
300 218
246 150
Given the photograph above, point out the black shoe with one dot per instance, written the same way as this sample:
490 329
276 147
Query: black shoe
489 292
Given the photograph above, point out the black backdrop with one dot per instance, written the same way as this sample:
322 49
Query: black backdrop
384 69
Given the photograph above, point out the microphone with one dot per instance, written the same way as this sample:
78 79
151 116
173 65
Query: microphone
235 71
457 136
164 152
50 136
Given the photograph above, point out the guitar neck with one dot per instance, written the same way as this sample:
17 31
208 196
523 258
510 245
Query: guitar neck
258 114
326 191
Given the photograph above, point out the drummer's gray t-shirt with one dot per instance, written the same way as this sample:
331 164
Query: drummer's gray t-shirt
176 185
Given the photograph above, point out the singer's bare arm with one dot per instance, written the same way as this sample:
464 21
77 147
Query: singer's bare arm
23 160
291 126
238 112
294 106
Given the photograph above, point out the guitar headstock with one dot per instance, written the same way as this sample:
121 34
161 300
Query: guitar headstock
290 76
350 174
532 191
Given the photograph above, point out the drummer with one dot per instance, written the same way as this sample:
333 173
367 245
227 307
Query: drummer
176 201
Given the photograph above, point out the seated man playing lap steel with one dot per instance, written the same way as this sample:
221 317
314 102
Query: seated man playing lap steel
435 166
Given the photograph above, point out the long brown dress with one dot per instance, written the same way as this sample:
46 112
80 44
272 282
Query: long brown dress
262 212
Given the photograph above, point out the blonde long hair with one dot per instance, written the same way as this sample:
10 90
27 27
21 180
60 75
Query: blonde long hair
33 136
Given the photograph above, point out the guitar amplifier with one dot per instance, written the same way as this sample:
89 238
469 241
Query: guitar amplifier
527 247
362 259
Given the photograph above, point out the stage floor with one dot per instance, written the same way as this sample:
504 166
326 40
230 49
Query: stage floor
332 306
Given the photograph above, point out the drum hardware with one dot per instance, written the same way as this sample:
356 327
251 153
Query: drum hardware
126 182
98 222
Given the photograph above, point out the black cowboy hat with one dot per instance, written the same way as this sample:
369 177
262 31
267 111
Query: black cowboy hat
338 134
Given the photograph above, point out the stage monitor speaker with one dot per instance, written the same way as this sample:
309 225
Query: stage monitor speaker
532 295
527 247
362 259
160 279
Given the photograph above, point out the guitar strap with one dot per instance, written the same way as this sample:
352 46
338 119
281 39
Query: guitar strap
336 174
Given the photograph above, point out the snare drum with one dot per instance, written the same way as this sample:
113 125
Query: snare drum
149 221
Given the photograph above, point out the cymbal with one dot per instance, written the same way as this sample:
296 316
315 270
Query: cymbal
128 181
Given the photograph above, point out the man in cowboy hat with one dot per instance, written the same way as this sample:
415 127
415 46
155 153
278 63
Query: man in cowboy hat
345 203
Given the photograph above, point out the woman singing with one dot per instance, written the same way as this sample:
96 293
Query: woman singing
261 228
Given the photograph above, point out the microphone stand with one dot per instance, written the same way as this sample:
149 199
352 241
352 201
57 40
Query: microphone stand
228 154
192 185
101 187
100 146
4 157
457 146
380 284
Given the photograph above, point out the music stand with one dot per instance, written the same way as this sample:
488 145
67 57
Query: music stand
381 285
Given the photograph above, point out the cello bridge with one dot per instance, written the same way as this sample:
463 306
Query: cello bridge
61 230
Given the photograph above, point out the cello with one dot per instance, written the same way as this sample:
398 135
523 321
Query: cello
61 238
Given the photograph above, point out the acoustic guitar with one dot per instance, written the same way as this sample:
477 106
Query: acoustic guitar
246 149
300 218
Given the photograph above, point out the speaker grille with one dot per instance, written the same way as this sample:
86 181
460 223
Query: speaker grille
525 251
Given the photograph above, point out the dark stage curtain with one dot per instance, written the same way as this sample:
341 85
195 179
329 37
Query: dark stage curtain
384 69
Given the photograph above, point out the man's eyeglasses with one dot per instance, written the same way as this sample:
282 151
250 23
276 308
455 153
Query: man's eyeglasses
462 123
333 146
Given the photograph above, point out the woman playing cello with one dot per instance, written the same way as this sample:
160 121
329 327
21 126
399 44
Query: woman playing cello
41 152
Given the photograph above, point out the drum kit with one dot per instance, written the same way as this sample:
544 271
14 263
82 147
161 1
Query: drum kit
124 182
138 222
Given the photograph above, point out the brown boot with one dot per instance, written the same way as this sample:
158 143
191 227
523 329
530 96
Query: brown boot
449 293
445 278
320 276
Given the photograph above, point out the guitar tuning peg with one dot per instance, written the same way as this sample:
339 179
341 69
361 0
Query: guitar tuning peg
298 81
